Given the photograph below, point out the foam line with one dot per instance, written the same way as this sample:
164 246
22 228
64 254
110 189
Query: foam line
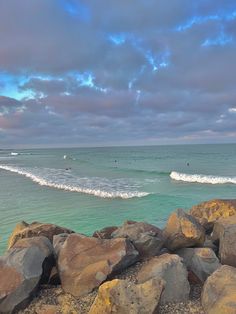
201 178
71 187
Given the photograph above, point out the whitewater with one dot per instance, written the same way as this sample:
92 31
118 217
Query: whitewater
201 178
92 188
57 176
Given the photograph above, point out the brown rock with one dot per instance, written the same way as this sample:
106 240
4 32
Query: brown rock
85 262
21 271
124 297
35 229
105 233
219 291
183 230
221 225
146 238
209 212
224 232
171 270
202 262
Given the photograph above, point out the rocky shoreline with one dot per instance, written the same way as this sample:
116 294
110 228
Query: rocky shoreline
188 267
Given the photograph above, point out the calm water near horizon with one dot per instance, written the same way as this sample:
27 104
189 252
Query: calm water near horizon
89 188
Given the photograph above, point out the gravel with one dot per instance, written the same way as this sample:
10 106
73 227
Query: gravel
64 303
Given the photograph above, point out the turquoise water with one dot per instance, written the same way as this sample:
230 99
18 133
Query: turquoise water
89 188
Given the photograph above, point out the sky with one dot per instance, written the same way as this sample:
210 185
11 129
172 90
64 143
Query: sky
127 72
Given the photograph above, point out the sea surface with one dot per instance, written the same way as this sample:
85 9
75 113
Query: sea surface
86 189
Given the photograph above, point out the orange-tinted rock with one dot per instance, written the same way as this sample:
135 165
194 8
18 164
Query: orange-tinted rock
219 292
146 238
124 297
35 229
183 230
209 212
48 309
170 269
85 262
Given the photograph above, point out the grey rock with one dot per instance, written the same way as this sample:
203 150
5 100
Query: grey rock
147 239
20 272
172 271
202 262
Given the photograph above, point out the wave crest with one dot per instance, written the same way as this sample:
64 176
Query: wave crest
59 179
201 178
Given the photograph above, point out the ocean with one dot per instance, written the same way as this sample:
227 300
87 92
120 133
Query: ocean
86 189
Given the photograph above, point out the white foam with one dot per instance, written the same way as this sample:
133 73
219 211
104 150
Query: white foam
60 179
201 178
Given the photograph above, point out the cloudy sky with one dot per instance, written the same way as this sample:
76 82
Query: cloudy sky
99 72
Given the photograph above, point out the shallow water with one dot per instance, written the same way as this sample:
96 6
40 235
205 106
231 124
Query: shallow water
88 188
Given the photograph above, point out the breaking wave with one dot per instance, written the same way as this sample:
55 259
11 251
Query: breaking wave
64 180
201 178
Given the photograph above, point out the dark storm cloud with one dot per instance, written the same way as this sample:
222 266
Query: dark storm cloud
104 72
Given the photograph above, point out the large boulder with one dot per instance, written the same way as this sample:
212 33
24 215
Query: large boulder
172 271
221 225
201 262
146 238
85 262
105 233
224 232
46 247
209 212
124 297
183 230
219 291
21 272
227 248
35 229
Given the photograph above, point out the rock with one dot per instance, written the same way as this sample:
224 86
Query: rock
147 239
21 271
48 309
46 247
105 233
209 243
183 230
124 297
58 241
202 262
209 212
221 225
35 229
172 271
224 232
85 262
219 291
227 248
